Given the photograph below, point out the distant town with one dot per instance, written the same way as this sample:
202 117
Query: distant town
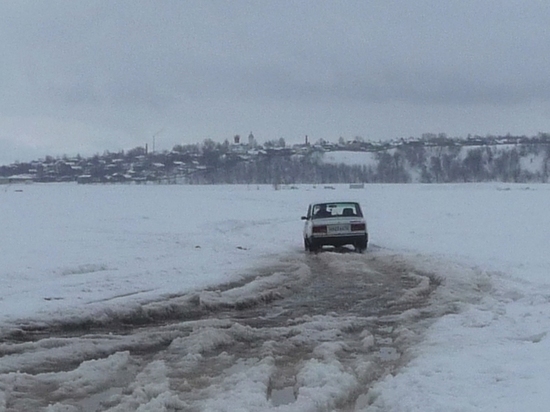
431 158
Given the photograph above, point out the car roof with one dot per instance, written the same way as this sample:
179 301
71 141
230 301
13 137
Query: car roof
333 201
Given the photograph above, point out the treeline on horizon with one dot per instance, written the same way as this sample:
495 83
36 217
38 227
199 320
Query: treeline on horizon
429 159
521 163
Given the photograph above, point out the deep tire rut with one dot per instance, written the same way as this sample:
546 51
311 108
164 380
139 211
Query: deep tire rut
361 313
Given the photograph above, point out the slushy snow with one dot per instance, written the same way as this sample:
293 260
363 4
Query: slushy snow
76 252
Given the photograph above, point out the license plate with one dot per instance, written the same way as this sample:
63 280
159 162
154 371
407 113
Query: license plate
337 228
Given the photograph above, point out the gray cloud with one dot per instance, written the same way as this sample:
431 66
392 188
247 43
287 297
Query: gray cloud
86 74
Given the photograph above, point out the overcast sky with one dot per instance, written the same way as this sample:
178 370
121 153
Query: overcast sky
88 76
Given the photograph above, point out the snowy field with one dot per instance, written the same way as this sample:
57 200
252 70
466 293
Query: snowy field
76 252
349 158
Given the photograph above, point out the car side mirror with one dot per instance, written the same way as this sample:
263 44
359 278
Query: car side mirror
304 218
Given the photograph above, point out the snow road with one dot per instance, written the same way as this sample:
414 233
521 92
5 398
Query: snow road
111 298
312 330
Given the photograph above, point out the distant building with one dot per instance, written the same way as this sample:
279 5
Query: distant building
83 179
25 178
251 140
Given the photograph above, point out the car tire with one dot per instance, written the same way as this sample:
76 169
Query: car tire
361 246
313 247
306 245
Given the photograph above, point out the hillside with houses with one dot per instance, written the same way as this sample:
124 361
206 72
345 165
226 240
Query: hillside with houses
432 158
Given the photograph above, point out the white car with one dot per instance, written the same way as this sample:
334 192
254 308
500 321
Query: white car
335 224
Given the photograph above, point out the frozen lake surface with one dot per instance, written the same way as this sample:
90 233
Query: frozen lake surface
200 298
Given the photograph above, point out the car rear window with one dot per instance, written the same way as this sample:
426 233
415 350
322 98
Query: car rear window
338 209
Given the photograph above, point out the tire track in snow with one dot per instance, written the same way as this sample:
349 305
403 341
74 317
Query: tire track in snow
312 332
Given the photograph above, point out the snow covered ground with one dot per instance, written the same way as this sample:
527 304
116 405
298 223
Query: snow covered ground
349 158
77 252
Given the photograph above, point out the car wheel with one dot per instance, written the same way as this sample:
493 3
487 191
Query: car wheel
360 247
306 245
313 247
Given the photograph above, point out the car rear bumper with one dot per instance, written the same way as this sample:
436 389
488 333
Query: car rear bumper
318 241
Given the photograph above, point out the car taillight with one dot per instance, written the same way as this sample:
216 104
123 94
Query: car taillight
357 227
319 229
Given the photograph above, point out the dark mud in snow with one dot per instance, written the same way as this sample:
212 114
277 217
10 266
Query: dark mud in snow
354 309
